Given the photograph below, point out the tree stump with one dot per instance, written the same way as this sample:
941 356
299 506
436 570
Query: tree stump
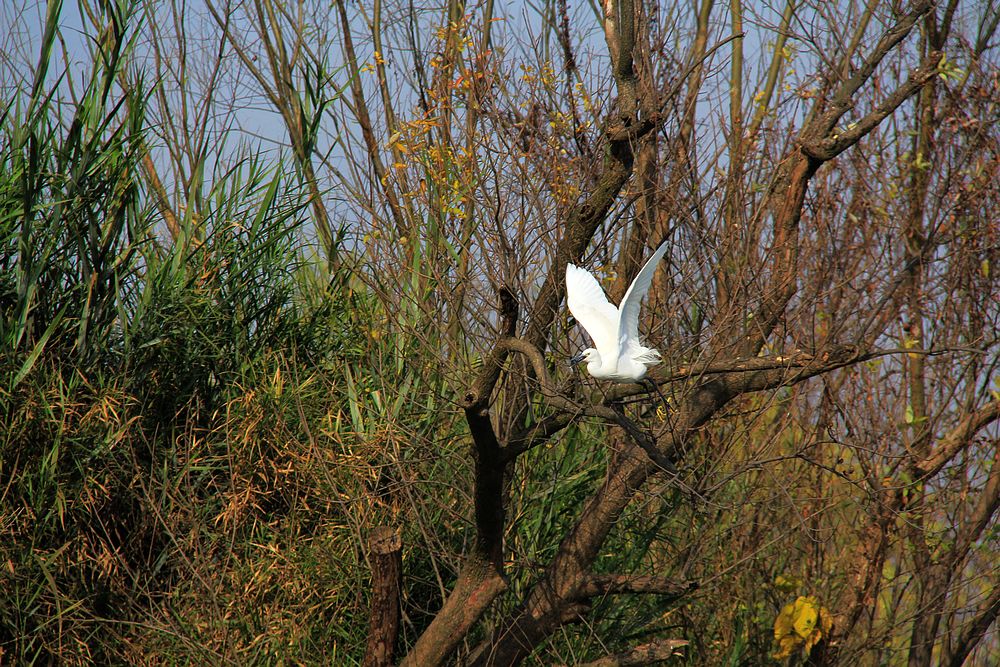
385 549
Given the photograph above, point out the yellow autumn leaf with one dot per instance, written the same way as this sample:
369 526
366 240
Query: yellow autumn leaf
786 646
801 623
783 623
823 629
805 615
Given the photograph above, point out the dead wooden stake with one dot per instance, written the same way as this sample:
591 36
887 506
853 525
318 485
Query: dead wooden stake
385 549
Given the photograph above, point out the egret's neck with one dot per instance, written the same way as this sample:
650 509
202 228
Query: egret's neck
598 368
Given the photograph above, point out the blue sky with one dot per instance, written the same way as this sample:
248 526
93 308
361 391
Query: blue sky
244 119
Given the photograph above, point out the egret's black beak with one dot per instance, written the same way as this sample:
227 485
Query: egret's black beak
573 361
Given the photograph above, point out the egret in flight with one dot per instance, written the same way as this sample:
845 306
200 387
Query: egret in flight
619 354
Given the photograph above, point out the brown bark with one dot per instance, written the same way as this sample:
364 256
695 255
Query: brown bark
612 584
385 552
931 584
477 587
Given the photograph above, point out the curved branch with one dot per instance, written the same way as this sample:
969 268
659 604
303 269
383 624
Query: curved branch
561 402
957 438
843 99
831 146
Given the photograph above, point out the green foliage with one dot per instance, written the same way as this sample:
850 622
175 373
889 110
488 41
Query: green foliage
208 308
171 474
199 433
71 224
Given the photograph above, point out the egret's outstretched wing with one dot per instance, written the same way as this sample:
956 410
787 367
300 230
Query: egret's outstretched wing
628 324
591 308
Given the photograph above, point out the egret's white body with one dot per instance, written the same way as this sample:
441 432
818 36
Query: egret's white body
619 354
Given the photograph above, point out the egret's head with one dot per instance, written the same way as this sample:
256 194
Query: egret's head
589 355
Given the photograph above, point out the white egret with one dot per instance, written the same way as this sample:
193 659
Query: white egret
619 355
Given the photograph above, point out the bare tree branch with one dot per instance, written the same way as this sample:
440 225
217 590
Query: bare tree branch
974 630
656 651
958 438
364 121
614 584
843 99
787 194
835 144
